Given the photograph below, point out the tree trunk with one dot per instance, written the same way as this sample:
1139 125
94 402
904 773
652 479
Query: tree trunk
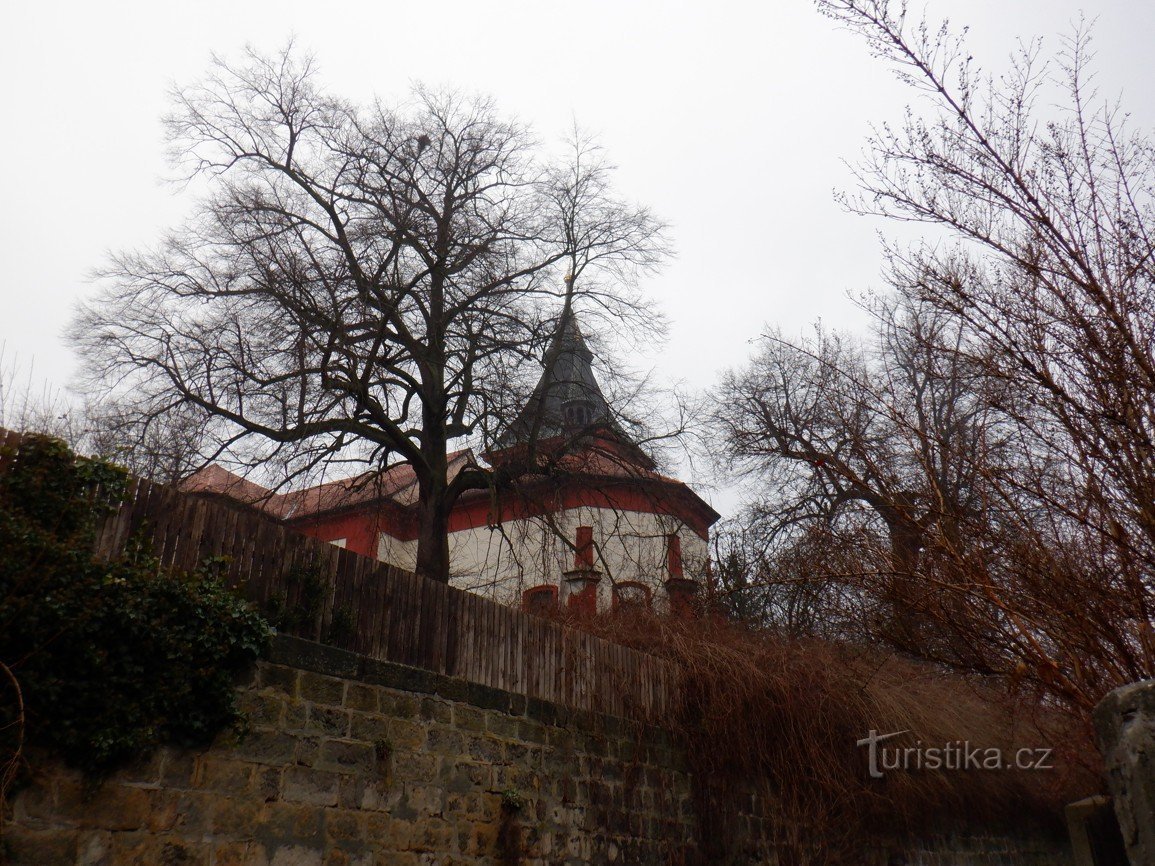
907 630
433 532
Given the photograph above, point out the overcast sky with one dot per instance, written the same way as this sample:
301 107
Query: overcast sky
731 120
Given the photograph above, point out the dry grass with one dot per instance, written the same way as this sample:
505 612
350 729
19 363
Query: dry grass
760 713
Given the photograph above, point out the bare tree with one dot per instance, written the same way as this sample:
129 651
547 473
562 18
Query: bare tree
1030 533
886 445
165 446
365 280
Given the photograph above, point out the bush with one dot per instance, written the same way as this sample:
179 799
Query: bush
112 658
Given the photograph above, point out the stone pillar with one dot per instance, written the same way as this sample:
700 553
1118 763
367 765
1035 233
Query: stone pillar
1125 725
682 593
581 582
582 590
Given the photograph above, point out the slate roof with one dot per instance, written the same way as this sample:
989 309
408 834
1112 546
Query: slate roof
566 380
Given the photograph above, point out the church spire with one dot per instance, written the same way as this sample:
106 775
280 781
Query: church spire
567 398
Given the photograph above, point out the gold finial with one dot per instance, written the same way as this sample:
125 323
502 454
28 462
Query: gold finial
568 277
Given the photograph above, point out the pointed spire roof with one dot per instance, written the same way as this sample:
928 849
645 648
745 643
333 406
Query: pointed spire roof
567 398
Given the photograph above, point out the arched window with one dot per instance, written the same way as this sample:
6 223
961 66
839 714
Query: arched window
631 595
577 413
539 599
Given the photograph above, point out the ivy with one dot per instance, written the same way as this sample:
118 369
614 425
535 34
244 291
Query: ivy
112 658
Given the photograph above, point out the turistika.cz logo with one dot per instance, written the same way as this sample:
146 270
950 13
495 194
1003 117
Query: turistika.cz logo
957 755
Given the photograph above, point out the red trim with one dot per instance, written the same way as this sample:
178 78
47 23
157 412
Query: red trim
585 600
584 553
674 555
539 599
361 524
358 528
643 496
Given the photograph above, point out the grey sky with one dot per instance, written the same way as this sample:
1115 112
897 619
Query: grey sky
729 119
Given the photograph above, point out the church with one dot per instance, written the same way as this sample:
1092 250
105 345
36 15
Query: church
600 530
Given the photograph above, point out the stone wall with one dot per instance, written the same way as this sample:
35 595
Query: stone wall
354 761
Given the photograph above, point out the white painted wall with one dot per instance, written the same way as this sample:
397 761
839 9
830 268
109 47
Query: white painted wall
629 546
502 562
402 554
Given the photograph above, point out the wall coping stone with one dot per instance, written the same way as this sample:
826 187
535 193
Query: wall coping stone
297 652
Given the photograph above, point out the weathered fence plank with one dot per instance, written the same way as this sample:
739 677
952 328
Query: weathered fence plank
394 615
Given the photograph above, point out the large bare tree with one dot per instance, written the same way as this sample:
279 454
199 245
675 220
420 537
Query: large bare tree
886 446
360 278
1039 564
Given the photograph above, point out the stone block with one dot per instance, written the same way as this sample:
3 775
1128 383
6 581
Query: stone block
235 817
321 689
278 678
193 811
112 807
262 707
37 802
295 716
501 725
225 774
529 731
328 720
41 847
297 855
143 770
94 848
266 784
488 698
435 710
401 677
486 749
348 756
240 854
369 795
165 811
288 823
444 741
385 833
178 768
434 835
405 735
1125 725
144 848
308 750
368 727
399 705
343 857
359 696
306 785
312 656
468 718
482 840
561 738
417 767
344 826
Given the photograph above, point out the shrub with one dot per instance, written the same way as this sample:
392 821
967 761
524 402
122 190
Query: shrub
111 658
756 712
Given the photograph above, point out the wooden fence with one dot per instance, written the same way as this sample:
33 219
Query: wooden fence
381 611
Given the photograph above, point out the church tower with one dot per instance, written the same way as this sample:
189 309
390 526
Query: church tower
593 525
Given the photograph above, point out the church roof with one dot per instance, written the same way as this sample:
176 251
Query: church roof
397 484
567 399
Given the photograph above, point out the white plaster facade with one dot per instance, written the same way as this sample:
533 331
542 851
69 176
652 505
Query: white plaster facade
502 562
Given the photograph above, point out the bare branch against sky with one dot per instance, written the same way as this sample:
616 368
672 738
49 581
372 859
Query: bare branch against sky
731 120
